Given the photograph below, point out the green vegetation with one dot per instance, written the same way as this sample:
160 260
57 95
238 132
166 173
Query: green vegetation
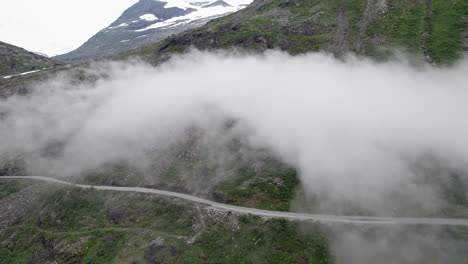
303 44
14 60
71 225
271 242
88 226
261 30
21 66
308 8
445 27
9 187
256 27
263 23
428 29
403 27
117 174
143 53
104 246
232 37
73 210
272 188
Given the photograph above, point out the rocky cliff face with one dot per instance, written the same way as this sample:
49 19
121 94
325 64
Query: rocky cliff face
150 21
15 60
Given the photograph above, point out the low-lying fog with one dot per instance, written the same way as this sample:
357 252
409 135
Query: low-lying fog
354 129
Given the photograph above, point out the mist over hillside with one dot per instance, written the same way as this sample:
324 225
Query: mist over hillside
364 137
357 131
239 131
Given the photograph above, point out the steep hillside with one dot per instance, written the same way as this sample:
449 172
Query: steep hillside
434 29
76 226
43 223
67 225
149 21
16 60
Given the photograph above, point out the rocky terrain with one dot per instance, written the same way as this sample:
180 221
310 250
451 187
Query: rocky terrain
149 21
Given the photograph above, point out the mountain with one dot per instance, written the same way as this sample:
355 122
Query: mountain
150 21
435 30
16 60
42 223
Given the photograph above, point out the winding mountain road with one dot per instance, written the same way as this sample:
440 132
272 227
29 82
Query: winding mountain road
267 213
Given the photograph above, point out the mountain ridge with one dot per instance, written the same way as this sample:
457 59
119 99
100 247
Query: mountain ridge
16 60
149 21
434 30
44 223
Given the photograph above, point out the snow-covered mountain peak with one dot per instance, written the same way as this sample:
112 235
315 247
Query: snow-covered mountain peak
152 20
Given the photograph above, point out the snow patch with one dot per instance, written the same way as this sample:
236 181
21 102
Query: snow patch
23 73
149 17
121 25
199 13
185 4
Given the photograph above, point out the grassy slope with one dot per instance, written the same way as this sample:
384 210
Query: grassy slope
273 188
87 226
10 187
446 26
434 27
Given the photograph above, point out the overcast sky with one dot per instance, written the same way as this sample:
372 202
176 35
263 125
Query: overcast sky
56 26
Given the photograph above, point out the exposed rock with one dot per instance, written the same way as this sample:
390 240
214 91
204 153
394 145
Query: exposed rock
221 197
465 33
217 3
426 32
278 181
156 253
118 215
374 9
339 44
57 247
16 205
